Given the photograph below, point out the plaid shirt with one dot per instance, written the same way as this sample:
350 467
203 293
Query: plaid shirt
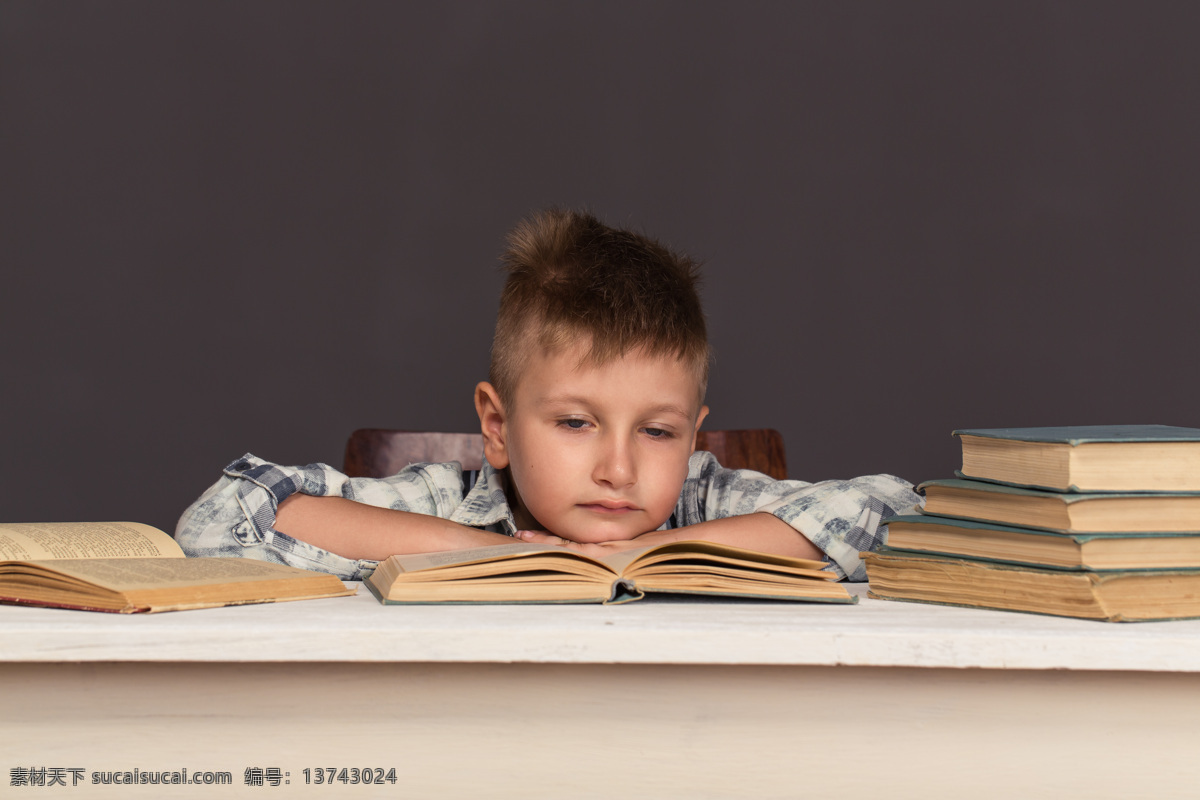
236 516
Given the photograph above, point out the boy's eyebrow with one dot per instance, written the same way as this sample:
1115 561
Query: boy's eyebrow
665 408
671 408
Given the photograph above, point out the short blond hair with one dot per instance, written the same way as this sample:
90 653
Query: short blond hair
572 278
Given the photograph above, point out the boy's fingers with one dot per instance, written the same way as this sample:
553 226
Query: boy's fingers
544 537
538 536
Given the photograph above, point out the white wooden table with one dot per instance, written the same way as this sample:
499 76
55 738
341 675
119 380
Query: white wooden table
661 698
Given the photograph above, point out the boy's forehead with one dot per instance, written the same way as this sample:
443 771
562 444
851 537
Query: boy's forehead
570 373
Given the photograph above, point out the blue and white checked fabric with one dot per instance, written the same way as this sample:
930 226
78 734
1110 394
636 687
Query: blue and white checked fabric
236 516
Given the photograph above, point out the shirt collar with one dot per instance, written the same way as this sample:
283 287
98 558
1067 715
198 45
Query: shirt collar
487 503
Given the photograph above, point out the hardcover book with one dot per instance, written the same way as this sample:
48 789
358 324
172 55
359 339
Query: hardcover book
1092 512
926 533
531 573
129 567
1085 458
1113 596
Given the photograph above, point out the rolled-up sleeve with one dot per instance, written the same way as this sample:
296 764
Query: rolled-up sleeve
841 517
235 517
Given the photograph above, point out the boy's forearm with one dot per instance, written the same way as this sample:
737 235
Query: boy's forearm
356 530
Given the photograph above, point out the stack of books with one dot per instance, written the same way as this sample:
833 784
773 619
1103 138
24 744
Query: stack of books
1099 522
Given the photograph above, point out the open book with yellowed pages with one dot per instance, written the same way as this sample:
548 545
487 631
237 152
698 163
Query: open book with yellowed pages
130 567
531 573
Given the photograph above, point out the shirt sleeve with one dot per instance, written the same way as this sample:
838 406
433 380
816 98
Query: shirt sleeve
235 517
841 517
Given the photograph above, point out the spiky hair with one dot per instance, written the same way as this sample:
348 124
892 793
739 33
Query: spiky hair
572 278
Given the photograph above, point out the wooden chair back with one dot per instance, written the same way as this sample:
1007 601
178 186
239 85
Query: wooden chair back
379 452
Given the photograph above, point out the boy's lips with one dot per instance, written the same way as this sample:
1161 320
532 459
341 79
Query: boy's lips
609 507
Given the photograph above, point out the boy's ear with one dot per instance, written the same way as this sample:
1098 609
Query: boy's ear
492 423
699 420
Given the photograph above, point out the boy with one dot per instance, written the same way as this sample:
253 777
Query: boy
595 393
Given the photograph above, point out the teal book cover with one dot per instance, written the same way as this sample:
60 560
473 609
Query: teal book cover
1002 489
1084 434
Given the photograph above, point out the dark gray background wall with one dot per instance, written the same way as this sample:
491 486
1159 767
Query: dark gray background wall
233 227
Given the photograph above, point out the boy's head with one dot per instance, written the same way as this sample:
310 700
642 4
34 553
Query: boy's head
599 367
573 280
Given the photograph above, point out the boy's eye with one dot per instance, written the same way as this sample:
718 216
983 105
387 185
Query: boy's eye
573 424
657 433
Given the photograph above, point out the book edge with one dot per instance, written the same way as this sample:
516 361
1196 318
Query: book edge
1048 436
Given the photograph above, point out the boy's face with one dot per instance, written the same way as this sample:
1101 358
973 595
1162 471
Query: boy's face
596 453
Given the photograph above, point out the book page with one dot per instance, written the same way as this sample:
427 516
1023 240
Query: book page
415 562
621 561
28 541
142 573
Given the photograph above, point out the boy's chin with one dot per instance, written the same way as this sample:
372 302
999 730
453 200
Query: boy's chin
601 536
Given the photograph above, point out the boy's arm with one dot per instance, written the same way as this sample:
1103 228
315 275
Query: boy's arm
838 519
355 530
841 518
239 516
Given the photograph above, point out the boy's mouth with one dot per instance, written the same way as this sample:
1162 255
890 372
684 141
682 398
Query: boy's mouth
609 507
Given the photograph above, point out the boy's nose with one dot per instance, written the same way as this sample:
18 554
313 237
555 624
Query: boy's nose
616 465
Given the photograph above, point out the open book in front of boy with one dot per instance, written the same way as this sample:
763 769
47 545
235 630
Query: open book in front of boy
531 573
130 567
